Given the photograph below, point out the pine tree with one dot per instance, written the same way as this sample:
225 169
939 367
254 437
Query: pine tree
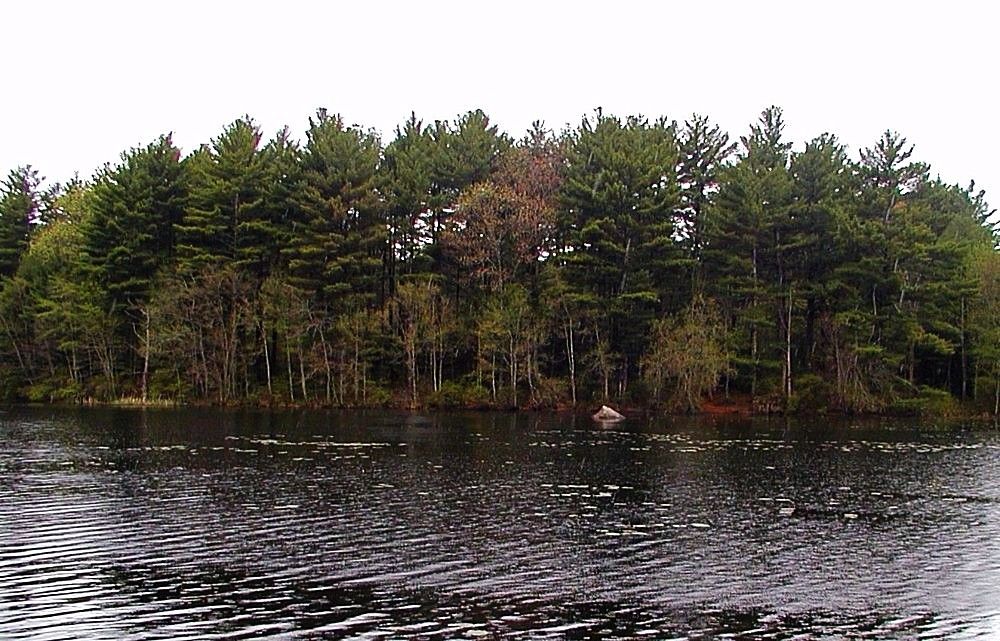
463 153
704 152
134 209
621 257
406 179
748 240
281 220
21 208
225 220
336 254
822 185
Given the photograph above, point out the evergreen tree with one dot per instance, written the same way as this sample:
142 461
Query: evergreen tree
21 210
746 252
281 220
621 256
225 221
505 224
135 207
822 185
704 152
464 153
336 254
406 181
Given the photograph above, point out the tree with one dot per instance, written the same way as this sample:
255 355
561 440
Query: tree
135 207
748 242
985 319
704 151
336 252
464 153
505 337
689 350
201 322
504 225
414 310
620 253
21 209
406 179
225 220
267 236
71 329
888 172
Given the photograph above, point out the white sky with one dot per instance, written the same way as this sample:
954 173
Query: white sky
85 80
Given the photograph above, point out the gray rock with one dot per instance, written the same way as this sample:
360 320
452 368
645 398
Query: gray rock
607 415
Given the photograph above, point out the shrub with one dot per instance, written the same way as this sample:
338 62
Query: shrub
812 395
929 401
455 394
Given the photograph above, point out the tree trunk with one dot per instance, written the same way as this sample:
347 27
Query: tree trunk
302 374
512 355
145 358
964 361
440 366
411 361
341 371
493 375
996 395
753 328
571 358
17 352
788 348
841 388
288 362
356 366
326 362
267 358
912 359
204 363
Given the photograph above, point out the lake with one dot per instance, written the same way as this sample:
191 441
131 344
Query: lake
208 524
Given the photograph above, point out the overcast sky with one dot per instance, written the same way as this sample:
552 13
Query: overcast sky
85 80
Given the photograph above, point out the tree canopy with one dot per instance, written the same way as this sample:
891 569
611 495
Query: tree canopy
629 259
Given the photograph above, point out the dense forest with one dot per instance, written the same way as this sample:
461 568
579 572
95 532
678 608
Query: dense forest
636 261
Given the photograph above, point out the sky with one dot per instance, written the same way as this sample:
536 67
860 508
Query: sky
84 81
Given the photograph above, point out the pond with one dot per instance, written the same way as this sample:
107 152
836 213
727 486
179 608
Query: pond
210 524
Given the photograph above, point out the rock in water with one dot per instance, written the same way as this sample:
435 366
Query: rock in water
607 415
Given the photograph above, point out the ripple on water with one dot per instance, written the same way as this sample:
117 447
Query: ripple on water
477 528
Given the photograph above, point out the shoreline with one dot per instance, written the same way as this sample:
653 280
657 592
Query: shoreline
709 409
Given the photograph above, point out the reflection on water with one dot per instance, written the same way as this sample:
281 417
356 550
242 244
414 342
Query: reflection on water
210 525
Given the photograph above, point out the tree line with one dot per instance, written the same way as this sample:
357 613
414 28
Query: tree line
632 260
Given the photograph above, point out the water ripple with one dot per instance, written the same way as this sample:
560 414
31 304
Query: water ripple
202 525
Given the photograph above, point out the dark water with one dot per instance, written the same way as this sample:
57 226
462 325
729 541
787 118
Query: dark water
212 525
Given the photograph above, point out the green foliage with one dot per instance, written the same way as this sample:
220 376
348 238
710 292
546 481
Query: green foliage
617 224
750 242
425 169
11 382
704 151
133 210
20 211
459 395
813 395
688 351
985 326
378 396
336 254
626 259
929 401
225 220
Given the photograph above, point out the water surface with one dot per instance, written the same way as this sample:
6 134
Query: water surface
184 524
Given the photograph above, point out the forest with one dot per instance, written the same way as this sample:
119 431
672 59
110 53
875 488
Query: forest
643 262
